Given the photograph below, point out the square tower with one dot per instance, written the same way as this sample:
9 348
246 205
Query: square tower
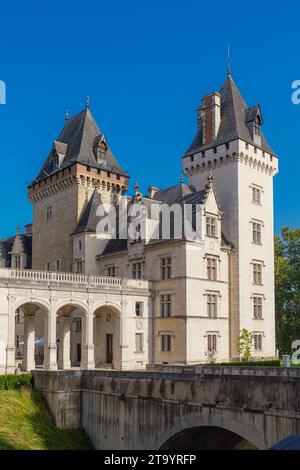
80 162
230 145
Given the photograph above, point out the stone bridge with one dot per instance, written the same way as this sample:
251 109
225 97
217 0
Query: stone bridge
102 302
203 407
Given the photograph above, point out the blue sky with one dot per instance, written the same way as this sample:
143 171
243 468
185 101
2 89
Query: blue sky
145 65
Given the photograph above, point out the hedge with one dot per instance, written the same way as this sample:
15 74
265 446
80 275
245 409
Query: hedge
274 363
10 381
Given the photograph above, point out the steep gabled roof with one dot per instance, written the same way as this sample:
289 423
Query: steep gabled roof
75 142
89 219
234 113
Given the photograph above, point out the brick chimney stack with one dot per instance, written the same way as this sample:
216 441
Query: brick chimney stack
209 116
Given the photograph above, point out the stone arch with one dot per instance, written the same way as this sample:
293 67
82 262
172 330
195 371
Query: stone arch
82 306
239 423
40 303
107 334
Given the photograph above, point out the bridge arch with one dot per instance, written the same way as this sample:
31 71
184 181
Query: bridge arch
228 426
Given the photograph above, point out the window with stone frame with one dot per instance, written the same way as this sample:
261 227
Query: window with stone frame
256 232
257 273
165 342
79 266
49 213
212 305
165 305
139 309
256 195
166 268
211 226
212 265
111 271
136 269
139 342
257 307
212 342
258 341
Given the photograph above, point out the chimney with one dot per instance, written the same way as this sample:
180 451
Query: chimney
152 190
209 117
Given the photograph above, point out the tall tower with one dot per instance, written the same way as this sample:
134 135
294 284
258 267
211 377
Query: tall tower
79 162
230 144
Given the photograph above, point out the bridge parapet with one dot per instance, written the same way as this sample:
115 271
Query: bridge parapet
270 371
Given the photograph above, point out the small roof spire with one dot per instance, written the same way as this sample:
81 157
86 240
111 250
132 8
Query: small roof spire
67 114
228 60
87 104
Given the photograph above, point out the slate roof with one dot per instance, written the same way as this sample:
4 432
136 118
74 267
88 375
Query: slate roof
178 194
234 114
6 246
88 220
77 139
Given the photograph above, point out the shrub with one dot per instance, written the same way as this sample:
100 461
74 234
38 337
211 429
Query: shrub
273 362
11 381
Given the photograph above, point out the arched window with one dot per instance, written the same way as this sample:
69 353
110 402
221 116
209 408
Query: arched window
101 151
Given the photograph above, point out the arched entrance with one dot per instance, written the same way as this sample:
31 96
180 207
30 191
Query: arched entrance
31 325
205 438
107 338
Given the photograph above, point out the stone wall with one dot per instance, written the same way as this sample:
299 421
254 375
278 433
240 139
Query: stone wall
143 410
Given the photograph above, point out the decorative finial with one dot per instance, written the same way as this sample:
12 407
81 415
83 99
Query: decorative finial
18 229
67 115
228 60
136 187
210 179
138 195
87 102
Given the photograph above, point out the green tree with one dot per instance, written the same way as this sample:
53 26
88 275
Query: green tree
287 288
245 344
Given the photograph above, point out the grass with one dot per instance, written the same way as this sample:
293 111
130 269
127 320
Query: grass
26 424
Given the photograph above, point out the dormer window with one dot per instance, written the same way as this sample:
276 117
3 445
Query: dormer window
101 151
256 126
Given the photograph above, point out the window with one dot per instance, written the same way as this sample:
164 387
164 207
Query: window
203 154
247 146
211 268
258 342
17 316
137 270
77 325
111 271
108 174
48 266
257 307
192 158
80 245
49 212
165 268
165 342
256 232
212 342
78 352
79 266
139 309
212 305
256 127
57 265
101 151
255 150
17 261
227 146
139 342
165 305
211 226
17 341
257 273
256 195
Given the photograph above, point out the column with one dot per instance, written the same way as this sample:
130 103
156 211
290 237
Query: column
50 348
64 352
87 345
10 348
29 337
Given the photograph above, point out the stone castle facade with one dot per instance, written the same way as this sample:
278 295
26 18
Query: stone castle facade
201 293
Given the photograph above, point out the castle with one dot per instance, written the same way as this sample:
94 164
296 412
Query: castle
201 292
